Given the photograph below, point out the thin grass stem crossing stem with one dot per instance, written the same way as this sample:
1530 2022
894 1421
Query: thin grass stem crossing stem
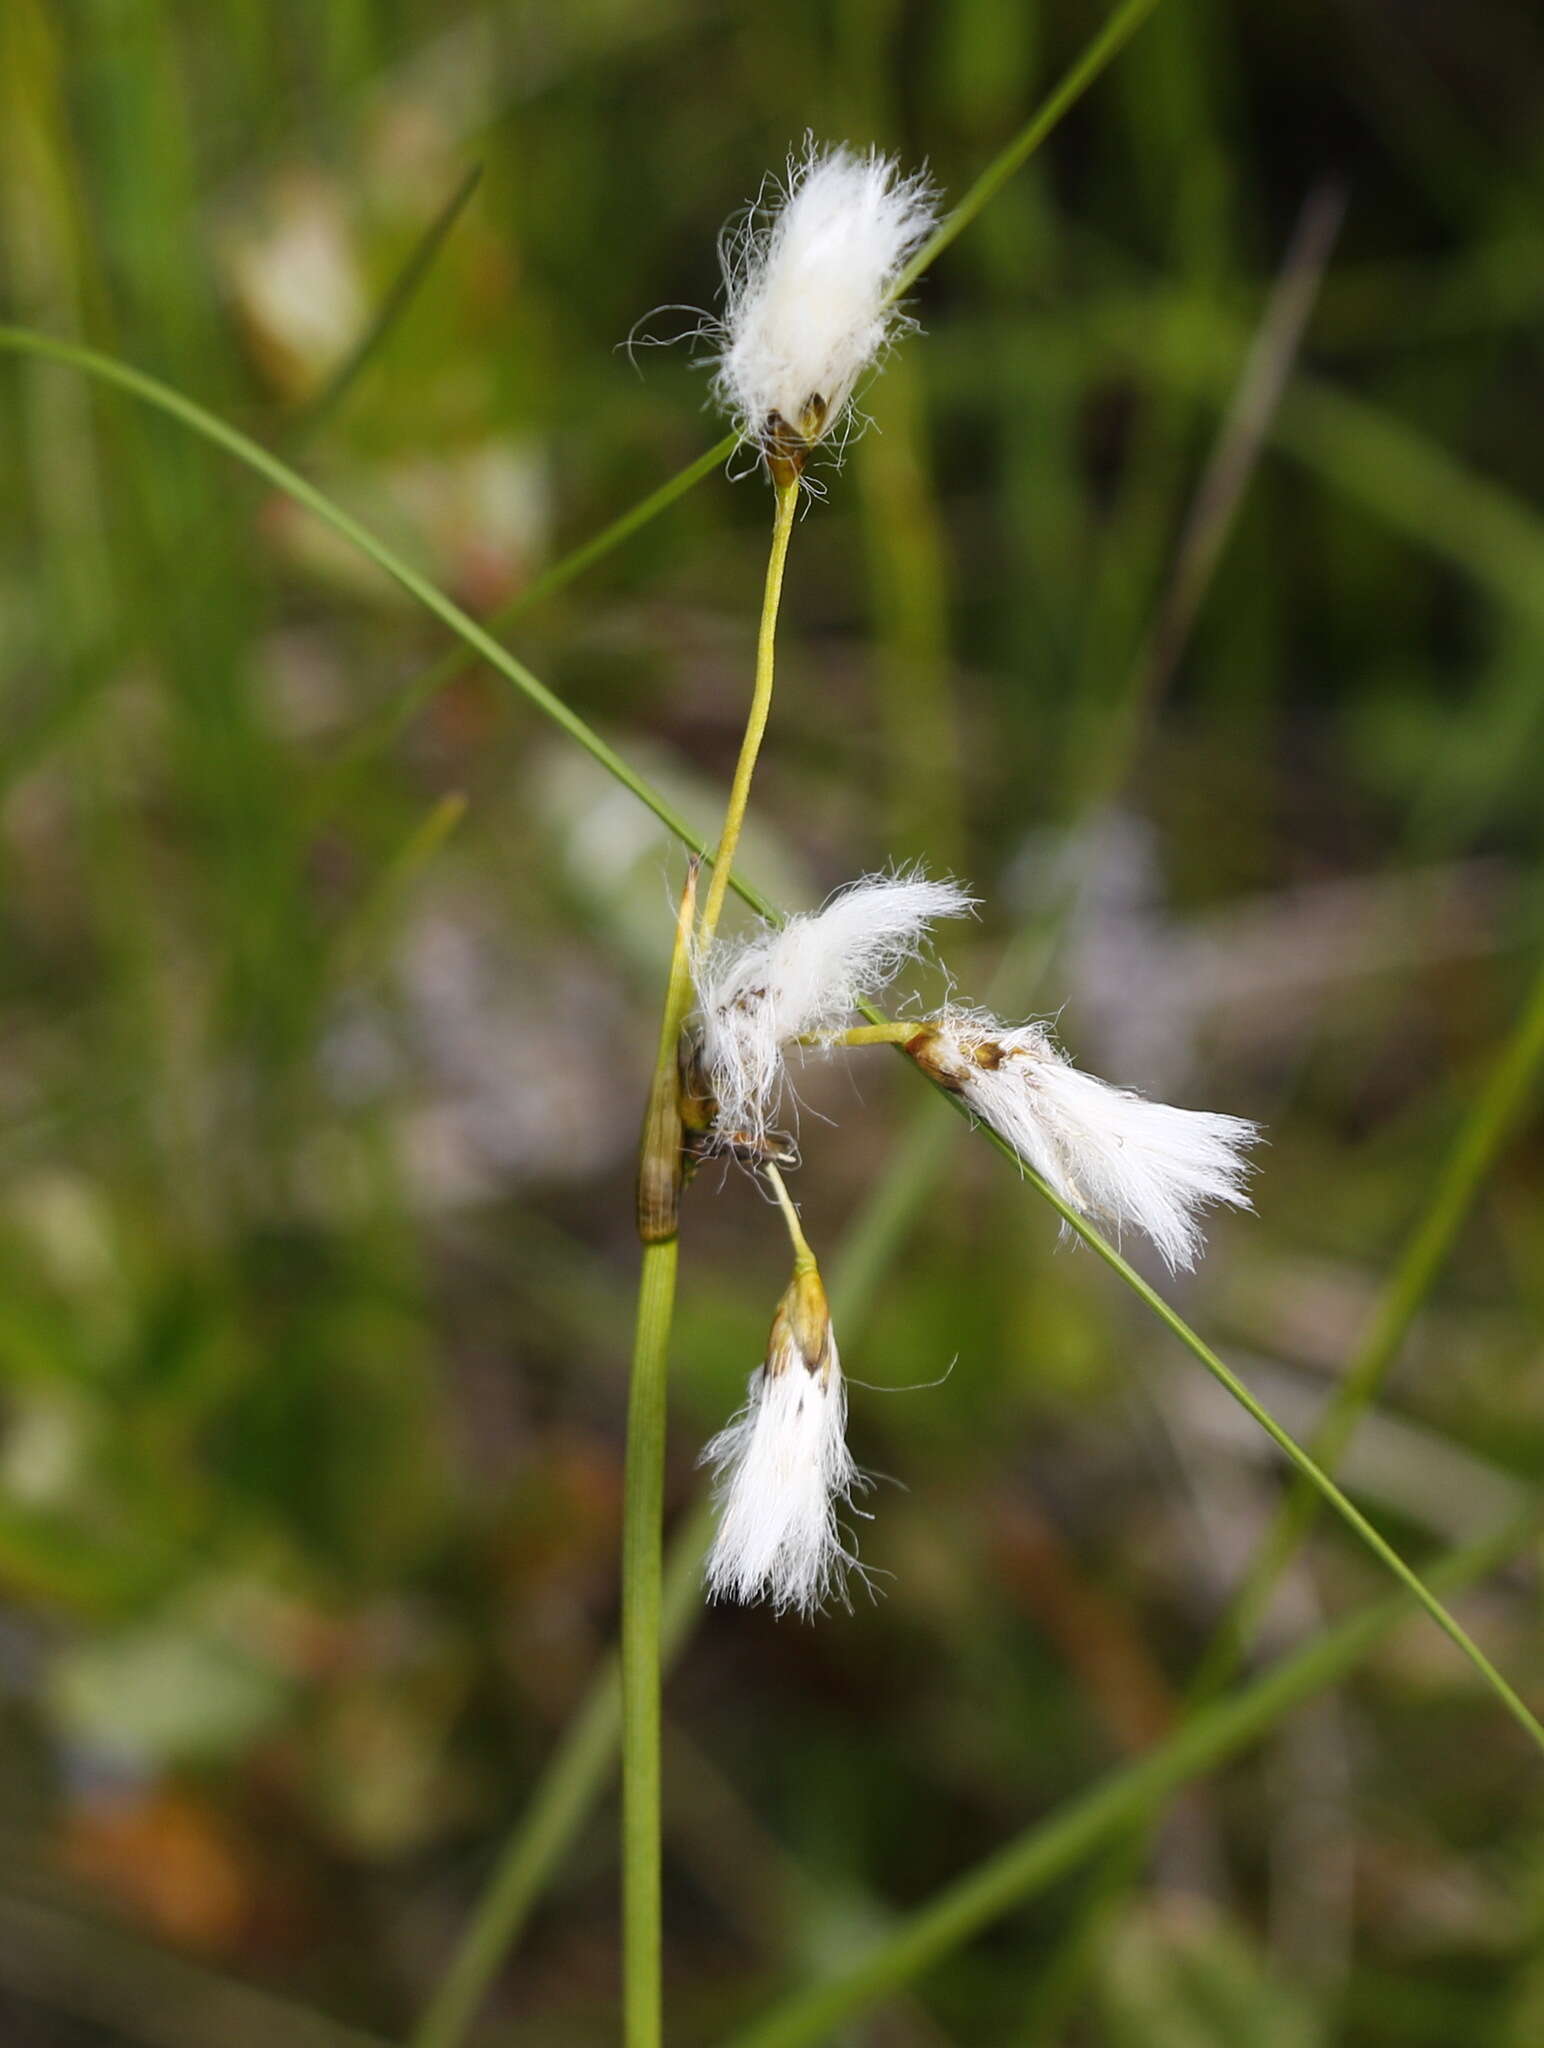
786 503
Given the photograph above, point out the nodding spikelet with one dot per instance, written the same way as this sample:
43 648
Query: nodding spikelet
1109 1153
783 1469
803 980
808 274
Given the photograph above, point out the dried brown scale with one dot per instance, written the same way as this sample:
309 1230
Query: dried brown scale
661 1167
801 1327
786 449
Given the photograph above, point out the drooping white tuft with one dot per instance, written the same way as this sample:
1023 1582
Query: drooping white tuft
1109 1153
807 278
804 980
783 1470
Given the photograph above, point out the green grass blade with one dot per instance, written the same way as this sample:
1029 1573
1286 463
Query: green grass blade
1110 41
1051 1847
1311 1471
151 391
1371 456
1506 1091
370 921
406 704
403 290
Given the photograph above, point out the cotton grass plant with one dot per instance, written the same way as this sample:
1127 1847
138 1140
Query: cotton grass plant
1124 1801
810 283
737 1015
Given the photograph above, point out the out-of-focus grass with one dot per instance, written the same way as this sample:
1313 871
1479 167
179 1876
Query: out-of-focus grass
314 1233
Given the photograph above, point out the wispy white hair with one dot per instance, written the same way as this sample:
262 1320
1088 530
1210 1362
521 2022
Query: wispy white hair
804 979
808 272
1108 1152
783 1472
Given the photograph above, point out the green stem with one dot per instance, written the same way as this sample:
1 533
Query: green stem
804 1260
785 504
643 1508
1229 1380
869 1034
1051 1847
565 1796
643 1503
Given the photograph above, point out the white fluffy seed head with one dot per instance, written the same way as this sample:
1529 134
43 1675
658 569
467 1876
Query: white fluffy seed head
783 1469
807 276
1109 1153
803 980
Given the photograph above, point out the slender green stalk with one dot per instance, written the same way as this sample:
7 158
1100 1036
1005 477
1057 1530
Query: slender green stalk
643 1510
873 1034
565 1796
803 1258
785 504
659 1192
1051 1847
642 1621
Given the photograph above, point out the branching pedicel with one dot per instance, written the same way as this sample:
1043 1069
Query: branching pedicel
809 307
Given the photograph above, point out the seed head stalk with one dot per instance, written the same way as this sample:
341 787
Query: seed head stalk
785 504
643 1485
643 1493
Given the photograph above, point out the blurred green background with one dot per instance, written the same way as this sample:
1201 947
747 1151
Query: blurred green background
324 1033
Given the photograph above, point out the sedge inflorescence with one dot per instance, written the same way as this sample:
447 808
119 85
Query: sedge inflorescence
1108 1153
783 1468
809 275
811 278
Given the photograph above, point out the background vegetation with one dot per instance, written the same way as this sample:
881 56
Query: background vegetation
324 1029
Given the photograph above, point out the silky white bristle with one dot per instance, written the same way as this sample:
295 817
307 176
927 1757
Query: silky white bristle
1110 1154
804 979
783 1470
807 278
